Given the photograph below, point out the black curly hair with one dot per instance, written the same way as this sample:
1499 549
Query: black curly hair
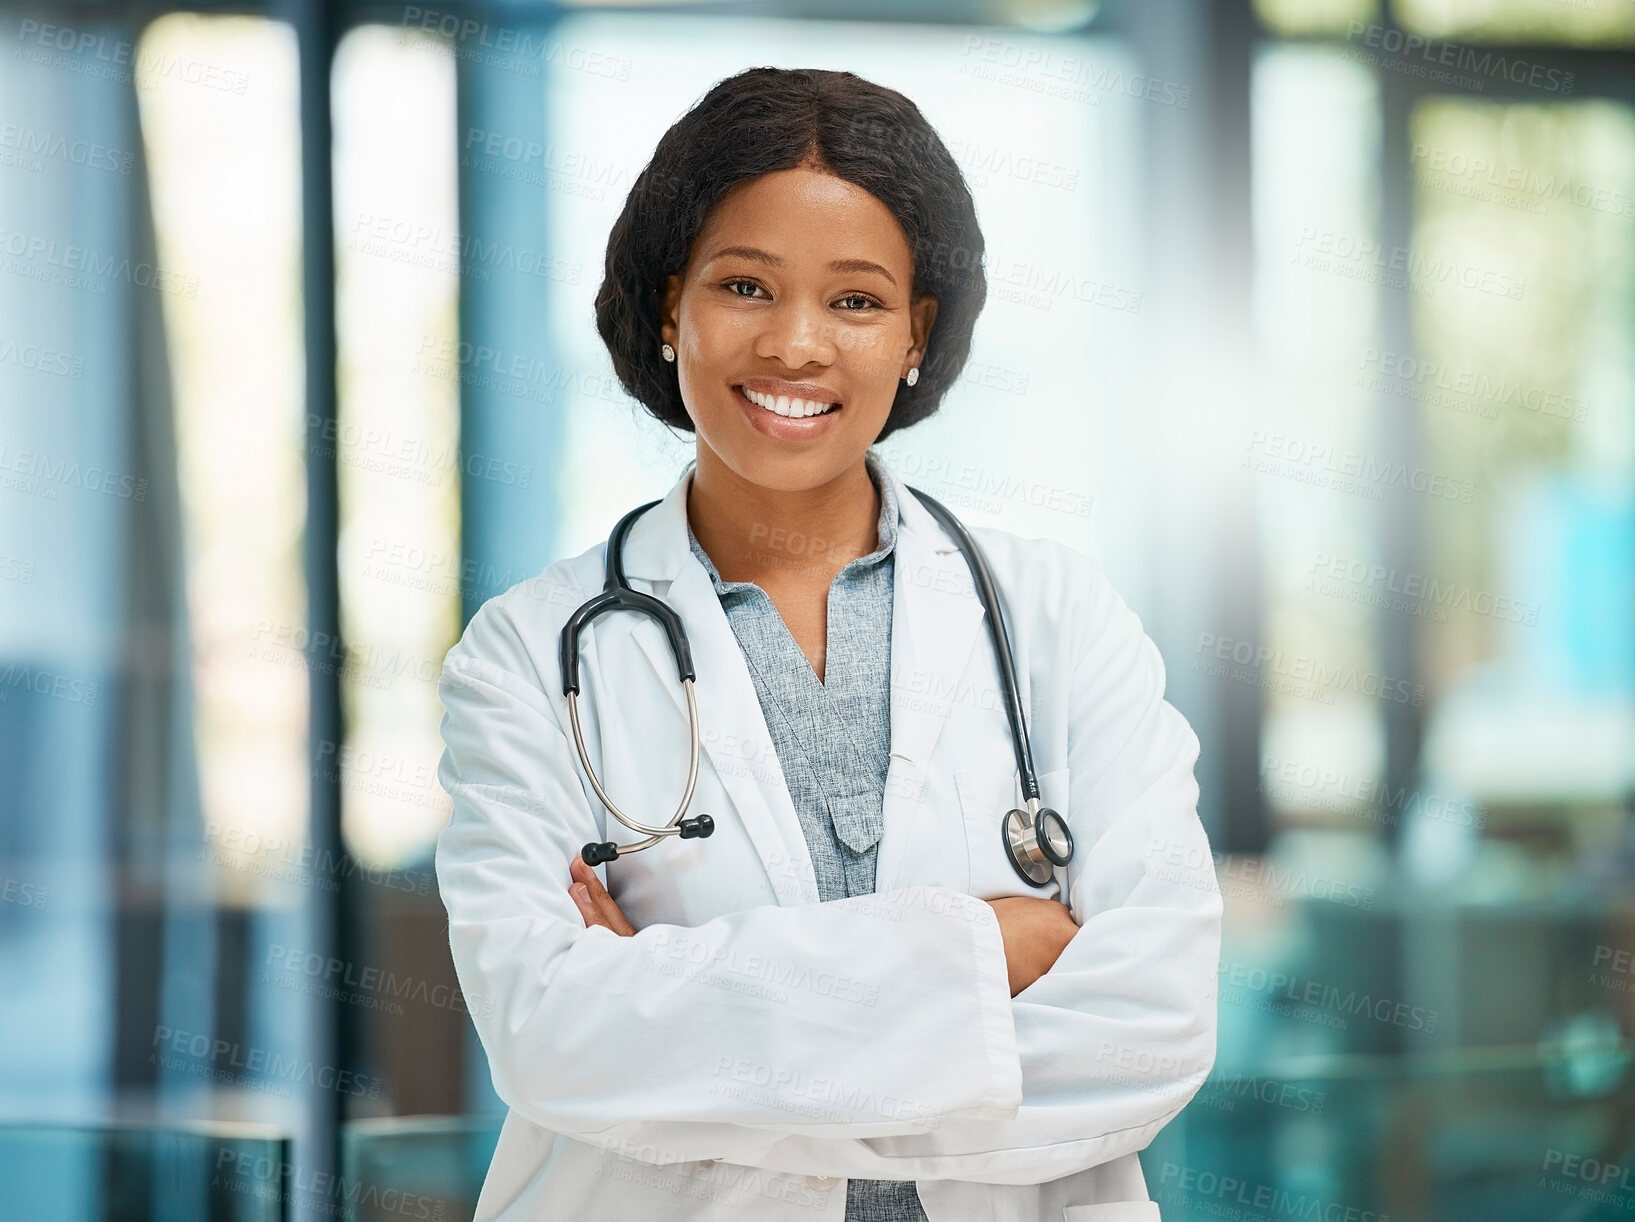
768 119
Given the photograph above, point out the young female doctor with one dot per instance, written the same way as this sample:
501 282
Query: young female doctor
849 1001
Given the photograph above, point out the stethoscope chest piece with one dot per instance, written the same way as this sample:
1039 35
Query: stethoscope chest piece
1036 841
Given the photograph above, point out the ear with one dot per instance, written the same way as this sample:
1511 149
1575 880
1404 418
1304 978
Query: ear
668 328
922 316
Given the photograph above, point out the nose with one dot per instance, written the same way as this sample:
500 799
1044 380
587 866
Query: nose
797 333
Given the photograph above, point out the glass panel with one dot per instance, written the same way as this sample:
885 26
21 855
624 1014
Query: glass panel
1317 289
153 716
127 1174
1529 397
434 1164
398 260
225 161
1502 1136
1297 17
1587 22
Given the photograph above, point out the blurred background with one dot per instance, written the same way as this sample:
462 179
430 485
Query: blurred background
1313 321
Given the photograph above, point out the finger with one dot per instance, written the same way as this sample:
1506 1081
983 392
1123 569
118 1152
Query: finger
615 919
588 911
600 897
603 904
587 875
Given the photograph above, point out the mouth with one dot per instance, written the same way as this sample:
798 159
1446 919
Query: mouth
790 407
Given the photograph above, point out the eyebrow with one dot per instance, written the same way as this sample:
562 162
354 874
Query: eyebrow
756 255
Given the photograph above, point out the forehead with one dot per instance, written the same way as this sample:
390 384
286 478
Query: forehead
805 216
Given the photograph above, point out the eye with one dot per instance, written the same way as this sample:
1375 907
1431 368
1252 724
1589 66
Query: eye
867 301
732 287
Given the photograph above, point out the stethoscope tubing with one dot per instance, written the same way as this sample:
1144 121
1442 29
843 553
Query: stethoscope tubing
988 593
617 594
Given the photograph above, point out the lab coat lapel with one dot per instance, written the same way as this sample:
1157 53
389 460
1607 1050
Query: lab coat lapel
731 727
730 722
936 621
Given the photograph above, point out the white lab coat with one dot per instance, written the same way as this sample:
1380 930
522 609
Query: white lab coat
750 1048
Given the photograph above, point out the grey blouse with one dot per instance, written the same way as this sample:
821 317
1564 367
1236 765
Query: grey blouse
833 740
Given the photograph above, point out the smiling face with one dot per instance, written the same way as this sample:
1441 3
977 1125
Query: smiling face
797 297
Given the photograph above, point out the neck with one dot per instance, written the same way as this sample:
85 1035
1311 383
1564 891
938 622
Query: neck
768 535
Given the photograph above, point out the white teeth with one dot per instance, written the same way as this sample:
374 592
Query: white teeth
783 405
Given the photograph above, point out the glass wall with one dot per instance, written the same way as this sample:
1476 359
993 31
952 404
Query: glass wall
1313 324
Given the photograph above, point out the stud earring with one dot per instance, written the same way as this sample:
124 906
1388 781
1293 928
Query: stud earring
667 352
913 375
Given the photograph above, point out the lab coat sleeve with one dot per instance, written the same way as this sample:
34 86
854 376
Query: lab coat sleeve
1119 1035
624 1041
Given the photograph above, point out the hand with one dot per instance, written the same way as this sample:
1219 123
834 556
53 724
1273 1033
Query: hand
593 901
1035 931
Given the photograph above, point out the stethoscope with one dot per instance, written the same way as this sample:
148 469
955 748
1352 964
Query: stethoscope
1036 838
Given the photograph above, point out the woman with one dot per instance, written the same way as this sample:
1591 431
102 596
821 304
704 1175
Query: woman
845 1004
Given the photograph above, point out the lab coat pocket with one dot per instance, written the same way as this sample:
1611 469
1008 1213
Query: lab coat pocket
985 794
1112 1211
